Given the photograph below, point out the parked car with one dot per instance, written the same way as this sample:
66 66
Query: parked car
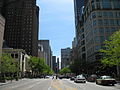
106 80
72 78
92 78
64 77
80 78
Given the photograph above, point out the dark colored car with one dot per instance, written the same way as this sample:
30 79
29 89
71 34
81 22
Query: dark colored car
106 80
64 77
72 78
92 78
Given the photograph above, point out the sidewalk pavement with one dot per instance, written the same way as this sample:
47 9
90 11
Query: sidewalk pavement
8 82
118 85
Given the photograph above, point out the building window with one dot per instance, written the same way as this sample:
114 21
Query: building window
97 48
116 4
107 31
110 14
106 22
102 39
99 14
100 22
101 31
94 23
97 39
106 4
94 15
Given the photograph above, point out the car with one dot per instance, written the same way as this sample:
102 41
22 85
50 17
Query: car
80 78
92 78
47 76
106 80
64 77
72 78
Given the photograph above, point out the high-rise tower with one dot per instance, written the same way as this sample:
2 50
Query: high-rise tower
77 9
21 27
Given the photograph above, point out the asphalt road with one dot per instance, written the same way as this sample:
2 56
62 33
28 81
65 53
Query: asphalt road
53 84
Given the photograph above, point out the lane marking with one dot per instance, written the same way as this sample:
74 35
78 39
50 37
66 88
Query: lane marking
68 87
49 88
57 87
50 85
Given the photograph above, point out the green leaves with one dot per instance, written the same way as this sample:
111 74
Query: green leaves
8 64
39 65
112 50
65 70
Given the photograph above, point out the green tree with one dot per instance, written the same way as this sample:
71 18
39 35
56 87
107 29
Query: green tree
65 70
8 65
39 66
47 70
79 66
111 53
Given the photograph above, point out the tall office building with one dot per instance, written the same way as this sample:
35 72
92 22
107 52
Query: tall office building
79 20
101 19
41 52
65 57
47 51
77 9
54 63
21 27
2 24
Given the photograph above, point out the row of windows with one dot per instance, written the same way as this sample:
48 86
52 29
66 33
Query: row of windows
106 30
101 5
106 22
106 14
105 5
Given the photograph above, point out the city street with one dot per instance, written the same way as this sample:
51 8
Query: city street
49 84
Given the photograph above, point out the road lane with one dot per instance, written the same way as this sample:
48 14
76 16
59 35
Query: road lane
53 84
89 86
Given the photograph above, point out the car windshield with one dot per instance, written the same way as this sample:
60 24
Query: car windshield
80 76
106 77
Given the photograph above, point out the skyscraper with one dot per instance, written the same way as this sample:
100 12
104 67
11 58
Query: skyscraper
80 39
47 51
2 24
65 57
77 9
21 28
54 63
101 20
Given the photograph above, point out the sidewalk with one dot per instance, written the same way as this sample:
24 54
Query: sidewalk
8 82
1 84
13 81
118 85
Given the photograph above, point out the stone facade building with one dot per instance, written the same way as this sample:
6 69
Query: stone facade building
2 24
21 27
44 46
65 57
21 57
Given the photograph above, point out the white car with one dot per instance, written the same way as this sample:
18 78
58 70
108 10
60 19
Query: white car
80 78
106 80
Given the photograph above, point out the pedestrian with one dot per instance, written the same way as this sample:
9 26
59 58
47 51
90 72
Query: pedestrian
53 77
56 76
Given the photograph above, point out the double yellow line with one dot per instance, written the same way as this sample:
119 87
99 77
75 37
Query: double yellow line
57 84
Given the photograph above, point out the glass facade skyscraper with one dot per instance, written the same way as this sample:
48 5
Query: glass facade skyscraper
77 9
101 19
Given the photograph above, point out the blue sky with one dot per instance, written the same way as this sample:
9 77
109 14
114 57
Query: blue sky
57 23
